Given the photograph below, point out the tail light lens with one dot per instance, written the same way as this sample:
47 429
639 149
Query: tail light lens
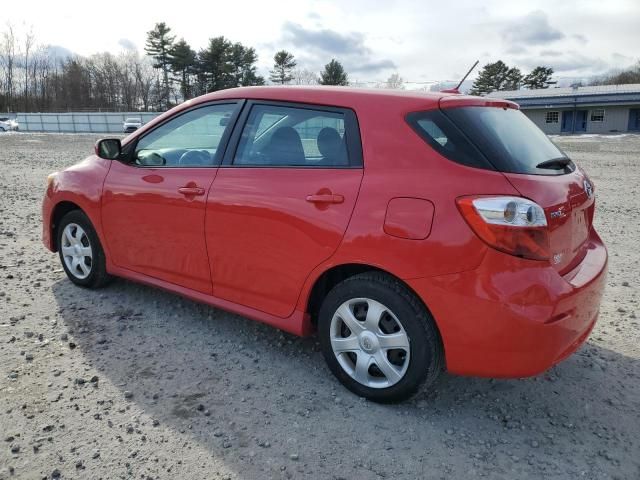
513 225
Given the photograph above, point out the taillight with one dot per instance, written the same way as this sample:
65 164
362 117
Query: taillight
512 225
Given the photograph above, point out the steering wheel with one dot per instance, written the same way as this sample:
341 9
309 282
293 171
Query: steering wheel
195 157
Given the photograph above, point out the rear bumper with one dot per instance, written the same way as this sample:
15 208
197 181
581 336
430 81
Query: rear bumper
512 317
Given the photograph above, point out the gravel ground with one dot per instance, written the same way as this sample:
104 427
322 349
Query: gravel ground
132 382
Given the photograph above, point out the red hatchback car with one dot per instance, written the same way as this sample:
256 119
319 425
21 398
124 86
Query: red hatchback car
416 232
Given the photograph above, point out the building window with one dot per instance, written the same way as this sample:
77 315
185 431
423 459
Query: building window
597 115
552 117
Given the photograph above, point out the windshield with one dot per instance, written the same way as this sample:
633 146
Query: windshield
133 120
509 140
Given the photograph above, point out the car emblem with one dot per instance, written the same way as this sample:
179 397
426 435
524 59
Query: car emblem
558 213
588 188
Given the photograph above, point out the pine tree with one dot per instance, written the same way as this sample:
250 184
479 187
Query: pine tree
538 78
334 74
159 44
496 76
243 68
214 69
183 60
283 65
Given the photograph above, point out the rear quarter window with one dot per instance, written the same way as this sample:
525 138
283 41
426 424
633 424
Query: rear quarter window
492 138
508 139
447 139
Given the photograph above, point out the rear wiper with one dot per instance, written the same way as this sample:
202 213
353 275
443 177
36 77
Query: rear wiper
555 163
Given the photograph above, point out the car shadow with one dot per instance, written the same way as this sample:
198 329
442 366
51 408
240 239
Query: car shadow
263 402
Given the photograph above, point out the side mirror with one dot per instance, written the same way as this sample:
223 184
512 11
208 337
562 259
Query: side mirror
108 148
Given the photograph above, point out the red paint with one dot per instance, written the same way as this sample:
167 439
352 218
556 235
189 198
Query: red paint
409 218
255 240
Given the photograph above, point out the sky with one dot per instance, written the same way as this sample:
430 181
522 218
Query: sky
422 40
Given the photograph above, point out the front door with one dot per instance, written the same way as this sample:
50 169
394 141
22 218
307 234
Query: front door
567 121
281 202
581 121
153 206
634 119
574 121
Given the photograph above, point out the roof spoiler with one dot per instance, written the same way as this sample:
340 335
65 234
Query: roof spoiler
456 89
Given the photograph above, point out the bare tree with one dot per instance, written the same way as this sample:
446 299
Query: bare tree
395 81
304 77
8 58
29 40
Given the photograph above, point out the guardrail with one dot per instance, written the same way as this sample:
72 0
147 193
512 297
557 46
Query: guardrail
79 122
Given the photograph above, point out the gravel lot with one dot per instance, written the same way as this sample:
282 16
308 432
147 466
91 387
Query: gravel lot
132 382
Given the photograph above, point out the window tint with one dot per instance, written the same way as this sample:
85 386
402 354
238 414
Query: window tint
446 139
189 140
281 136
508 138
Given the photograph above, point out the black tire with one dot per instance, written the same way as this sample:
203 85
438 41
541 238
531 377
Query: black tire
426 359
98 276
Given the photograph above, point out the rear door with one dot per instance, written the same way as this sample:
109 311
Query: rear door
153 204
281 201
538 169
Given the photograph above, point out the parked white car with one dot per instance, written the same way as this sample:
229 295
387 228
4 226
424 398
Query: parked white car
131 125
8 124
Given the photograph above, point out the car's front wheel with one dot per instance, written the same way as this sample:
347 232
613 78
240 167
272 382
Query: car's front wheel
378 339
80 251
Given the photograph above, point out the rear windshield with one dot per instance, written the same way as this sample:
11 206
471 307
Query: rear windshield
502 139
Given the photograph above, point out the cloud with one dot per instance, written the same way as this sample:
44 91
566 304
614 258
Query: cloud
59 53
325 40
532 29
565 62
515 49
127 44
550 53
372 67
317 47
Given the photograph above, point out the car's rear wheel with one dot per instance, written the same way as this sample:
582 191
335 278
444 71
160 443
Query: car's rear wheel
80 251
378 339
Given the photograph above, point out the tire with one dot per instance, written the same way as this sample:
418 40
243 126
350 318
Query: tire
388 315
80 251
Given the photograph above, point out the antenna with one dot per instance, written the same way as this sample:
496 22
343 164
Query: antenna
457 87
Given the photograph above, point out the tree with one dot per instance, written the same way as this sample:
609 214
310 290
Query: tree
631 75
159 45
213 69
496 76
28 45
283 65
8 60
243 66
334 74
304 77
395 81
540 77
182 60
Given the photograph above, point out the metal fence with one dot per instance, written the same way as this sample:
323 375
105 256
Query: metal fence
79 122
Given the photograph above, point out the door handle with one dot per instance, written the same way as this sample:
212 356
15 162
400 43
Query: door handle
191 191
325 198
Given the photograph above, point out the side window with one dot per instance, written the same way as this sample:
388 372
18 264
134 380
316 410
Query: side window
289 136
189 140
446 139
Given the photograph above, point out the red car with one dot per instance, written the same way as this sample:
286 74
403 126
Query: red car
415 232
